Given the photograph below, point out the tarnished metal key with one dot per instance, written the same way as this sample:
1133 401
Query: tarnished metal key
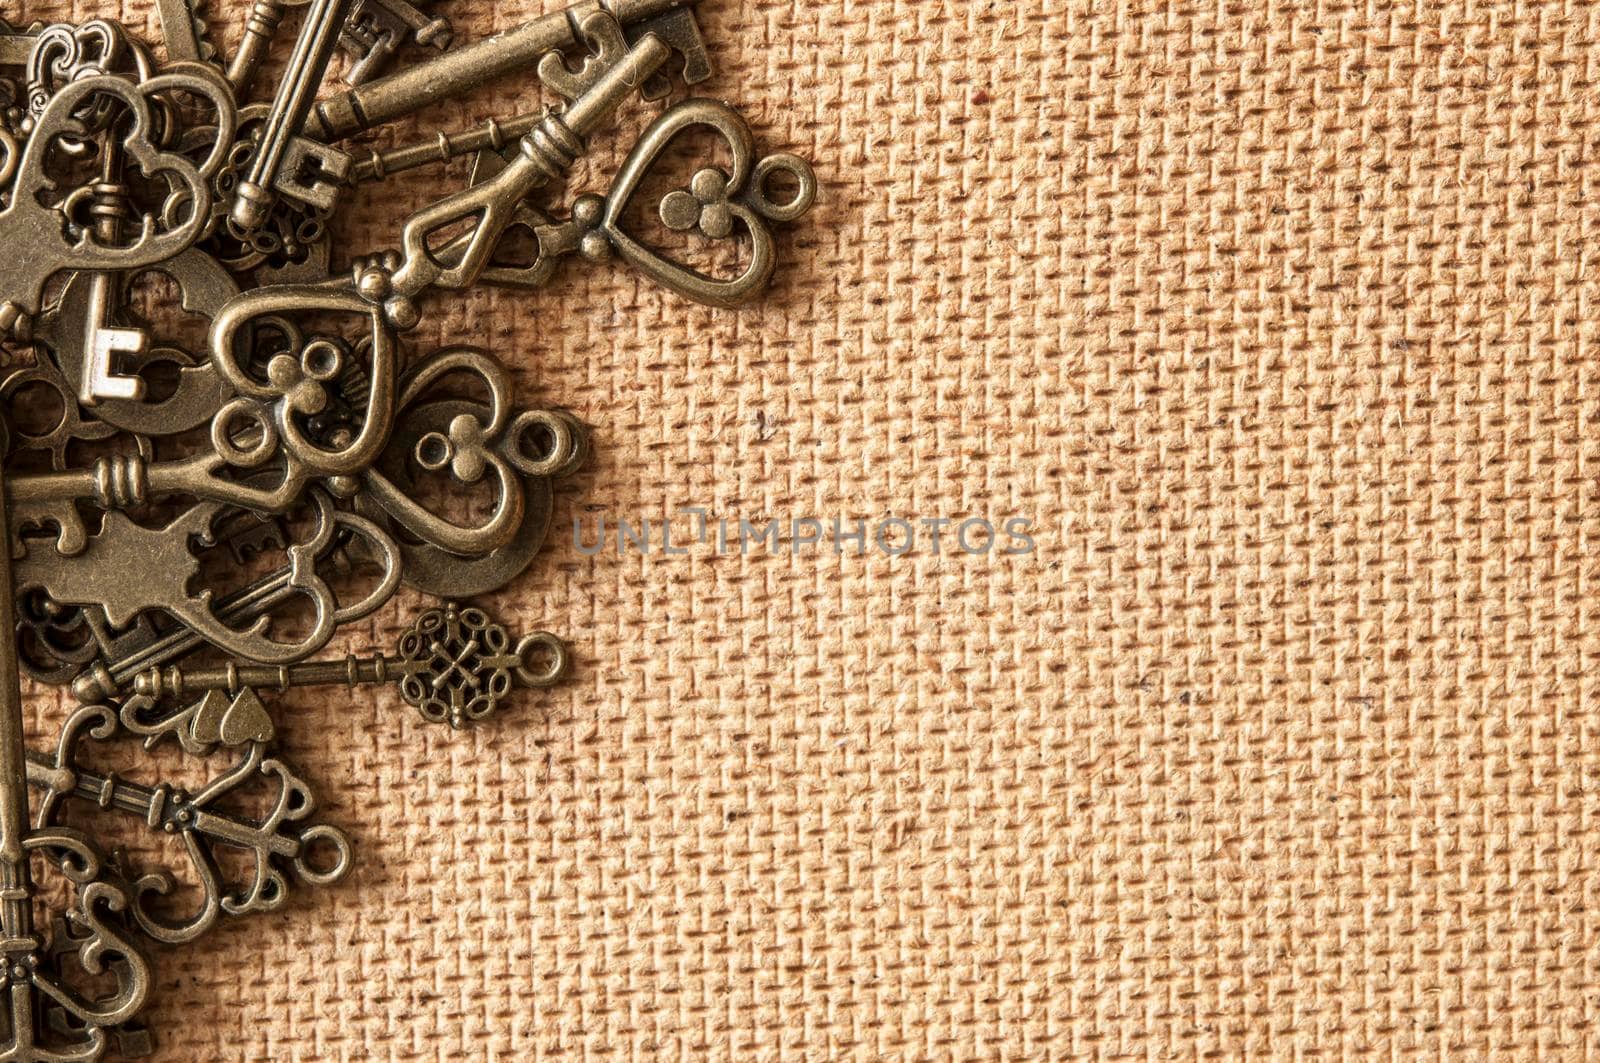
260 28
376 29
605 37
309 61
545 153
30 980
454 665
472 66
225 491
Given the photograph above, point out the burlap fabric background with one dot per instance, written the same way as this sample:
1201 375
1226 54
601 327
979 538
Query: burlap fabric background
1277 319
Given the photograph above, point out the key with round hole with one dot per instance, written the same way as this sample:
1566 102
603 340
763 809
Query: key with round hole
453 665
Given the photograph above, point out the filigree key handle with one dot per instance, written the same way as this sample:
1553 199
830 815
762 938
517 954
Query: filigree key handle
103 577
280 843
39 216
544 154
453 665
29 982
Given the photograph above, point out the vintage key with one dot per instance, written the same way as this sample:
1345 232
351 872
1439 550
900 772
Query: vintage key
36 218
273 155
101 342
204 287
604 36
106 678
471 66
545 153
27 981
453 665
711 204
260 27
376 29
100 577
279 845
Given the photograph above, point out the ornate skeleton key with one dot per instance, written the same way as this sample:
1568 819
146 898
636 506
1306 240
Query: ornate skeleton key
29 984
711 204
545 153
106 678
37 217
101 577
100 340
605 37
453 666
472 66
280 843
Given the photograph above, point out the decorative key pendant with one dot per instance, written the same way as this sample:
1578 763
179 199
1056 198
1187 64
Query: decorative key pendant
716 204
37 215
545 153
453 665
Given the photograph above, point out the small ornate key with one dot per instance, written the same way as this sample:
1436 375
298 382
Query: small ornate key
452 665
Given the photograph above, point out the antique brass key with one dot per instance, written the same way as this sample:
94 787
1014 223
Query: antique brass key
228 489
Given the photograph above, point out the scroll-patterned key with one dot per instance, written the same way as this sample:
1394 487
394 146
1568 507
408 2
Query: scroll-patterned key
27 981
544 154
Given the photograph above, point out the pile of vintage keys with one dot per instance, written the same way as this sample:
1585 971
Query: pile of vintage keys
194 510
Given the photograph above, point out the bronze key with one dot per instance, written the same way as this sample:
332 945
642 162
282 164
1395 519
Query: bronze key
30 980
260 26
453 666
472 66
313 50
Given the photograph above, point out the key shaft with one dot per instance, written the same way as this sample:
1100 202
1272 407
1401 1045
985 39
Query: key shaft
493 134
314 47
468 67
17 937
260 26
353 671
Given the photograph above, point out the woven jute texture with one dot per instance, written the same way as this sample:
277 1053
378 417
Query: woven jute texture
1276 318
